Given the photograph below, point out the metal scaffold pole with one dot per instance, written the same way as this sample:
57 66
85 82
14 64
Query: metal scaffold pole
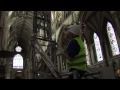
41 39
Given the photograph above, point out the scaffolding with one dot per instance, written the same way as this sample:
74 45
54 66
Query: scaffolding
43 46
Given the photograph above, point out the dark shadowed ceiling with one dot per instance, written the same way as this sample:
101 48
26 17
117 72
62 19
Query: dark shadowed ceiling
21 29
94 20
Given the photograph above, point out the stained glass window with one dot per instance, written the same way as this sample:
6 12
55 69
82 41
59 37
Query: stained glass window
87 53
98 47
112 39
18 62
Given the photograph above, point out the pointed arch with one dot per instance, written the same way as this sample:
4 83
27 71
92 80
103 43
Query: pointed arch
98 47
18 62
112 39
87 53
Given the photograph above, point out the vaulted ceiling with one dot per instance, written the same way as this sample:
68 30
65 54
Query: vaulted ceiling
22 25
94 21
21 28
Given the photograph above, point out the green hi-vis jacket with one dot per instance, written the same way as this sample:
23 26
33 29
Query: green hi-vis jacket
79 62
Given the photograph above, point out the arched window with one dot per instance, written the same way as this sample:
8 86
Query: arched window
112 39
87 53
98 47
18 49
18 62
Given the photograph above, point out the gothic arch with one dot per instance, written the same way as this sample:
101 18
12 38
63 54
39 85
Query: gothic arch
95 21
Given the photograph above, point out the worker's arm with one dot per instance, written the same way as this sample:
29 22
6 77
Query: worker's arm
72 50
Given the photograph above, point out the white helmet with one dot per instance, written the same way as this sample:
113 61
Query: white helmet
75 29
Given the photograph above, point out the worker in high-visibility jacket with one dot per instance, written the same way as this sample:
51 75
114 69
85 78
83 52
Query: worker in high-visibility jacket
75 51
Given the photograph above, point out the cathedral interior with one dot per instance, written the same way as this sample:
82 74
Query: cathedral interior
31 40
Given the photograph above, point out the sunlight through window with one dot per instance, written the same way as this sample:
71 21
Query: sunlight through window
87 53
112 39
18 49
18 62
98 48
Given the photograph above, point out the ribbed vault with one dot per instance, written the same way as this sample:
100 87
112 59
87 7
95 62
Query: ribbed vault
94 20
21 29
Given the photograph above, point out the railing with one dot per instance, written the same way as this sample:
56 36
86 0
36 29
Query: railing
88 73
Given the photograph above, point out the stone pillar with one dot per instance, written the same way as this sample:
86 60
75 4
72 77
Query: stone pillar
7 76
104 50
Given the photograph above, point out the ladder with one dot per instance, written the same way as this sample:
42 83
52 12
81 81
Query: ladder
46 59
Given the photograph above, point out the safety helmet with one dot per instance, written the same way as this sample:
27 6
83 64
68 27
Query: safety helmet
75 29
